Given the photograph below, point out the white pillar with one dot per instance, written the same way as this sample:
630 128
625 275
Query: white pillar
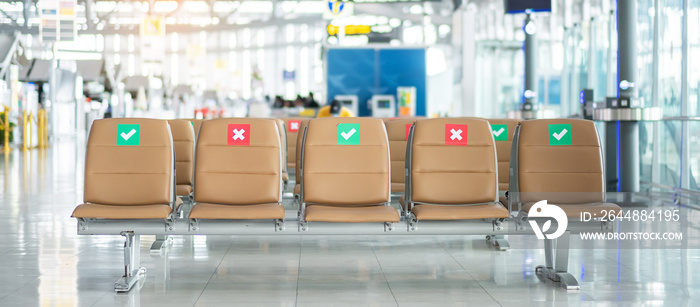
467 107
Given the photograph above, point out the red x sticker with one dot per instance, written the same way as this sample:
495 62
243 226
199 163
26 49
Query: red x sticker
238 134
294 125
455 134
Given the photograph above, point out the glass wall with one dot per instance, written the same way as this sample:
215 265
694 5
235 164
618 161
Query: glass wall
669 149
694 61
645 54
670 56
578 50
694 90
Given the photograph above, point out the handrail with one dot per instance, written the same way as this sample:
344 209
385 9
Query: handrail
683 118
668 187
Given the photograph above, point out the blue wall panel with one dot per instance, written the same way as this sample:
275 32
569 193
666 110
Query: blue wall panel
351 72
367 72
403 67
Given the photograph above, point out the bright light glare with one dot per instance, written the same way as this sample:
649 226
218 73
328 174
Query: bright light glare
288 6
196 6
435 61
105 6
225 6
444 30
11 7
416 9
164 6
530 28
310 7
256 7
71 55
395 22
356 40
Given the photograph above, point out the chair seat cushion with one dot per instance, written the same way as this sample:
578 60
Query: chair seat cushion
291 165
285 176
574 210
454 212
122 212
237 212
357 214
183 189
397 187
503 187
297 189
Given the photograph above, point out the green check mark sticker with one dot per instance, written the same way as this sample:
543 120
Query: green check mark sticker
560 134
348 134
128 135
500 132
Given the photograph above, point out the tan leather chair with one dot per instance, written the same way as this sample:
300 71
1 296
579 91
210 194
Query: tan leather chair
569 176
297 155
235 179
397 130
345 183
292 135
183 143
283 141
128 181
452 181
503 147
196 123
563 165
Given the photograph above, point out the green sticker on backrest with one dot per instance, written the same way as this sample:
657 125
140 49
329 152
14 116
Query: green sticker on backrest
128 135
500 132
348 134
560 134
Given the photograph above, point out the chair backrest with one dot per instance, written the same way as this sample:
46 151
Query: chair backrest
452 161
559 160
293 127
283 141
183 144
397 130
345 161
300 139
238 161
129 161
196 123
503 130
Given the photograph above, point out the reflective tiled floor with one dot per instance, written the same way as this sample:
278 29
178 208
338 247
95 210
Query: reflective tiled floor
44 262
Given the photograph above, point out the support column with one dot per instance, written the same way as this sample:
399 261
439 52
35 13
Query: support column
530 48
467 22
626 47
629 156
656 96
611 156
685 107
626 79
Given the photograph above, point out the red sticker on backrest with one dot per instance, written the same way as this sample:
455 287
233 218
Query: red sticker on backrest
408 130
294 125
455 134
238 134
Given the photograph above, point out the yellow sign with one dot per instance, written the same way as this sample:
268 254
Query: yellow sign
350 29
153 26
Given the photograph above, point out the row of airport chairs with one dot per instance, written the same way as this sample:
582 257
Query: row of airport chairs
233 169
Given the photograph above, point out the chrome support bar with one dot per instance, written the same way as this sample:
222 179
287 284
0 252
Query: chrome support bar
628 114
